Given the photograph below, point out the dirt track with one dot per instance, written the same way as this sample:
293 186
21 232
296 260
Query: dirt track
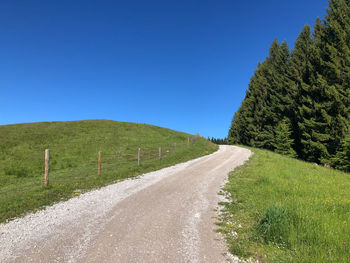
164 216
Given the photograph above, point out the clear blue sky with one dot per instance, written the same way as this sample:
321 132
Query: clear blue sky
183 65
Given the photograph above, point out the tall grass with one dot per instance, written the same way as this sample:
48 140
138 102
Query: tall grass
74 148
286 210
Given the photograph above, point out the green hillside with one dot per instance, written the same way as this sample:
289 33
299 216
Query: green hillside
74 148
286 210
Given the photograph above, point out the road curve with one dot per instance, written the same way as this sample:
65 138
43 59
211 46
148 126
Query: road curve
163 216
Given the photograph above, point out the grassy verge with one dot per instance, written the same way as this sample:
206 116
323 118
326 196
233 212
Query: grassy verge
286 210
74 150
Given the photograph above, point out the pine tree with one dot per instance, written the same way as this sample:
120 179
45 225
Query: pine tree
243 129
269 98
283 141
264 117
342 158
279 94
302 75
302 98
334 46
311 131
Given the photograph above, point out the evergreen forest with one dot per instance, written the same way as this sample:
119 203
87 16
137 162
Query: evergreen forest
298 100
218 140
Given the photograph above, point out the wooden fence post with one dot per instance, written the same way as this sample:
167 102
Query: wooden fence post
188 141
47 162
99 163
175 147
138 157
192 140
160 153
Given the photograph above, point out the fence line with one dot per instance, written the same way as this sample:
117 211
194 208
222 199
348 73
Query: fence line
141 154
81 164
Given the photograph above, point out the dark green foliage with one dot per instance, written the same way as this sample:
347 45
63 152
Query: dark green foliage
334 47
267 101
313 113
218 140
283 140
342 157
309 86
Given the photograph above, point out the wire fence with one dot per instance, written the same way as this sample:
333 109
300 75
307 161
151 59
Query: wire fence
82 165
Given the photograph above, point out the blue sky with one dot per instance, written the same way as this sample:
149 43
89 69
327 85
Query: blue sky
183 65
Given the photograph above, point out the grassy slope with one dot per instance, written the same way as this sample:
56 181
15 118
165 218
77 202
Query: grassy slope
289 211
74 149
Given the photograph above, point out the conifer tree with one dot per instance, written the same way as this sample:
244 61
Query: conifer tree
342 158
303 96
334 49
301 75
312 120
243 129
267 100
279 94
283 141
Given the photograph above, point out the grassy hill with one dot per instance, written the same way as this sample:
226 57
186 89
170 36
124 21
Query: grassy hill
286 210
74 148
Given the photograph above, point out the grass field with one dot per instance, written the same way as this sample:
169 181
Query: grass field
74 148
286 210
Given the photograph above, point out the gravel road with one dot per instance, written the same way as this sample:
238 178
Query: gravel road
163 216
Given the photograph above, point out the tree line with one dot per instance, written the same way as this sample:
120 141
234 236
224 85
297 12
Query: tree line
298 101
218 140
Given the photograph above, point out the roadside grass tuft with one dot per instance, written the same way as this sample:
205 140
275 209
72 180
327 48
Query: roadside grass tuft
276 225
285 210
